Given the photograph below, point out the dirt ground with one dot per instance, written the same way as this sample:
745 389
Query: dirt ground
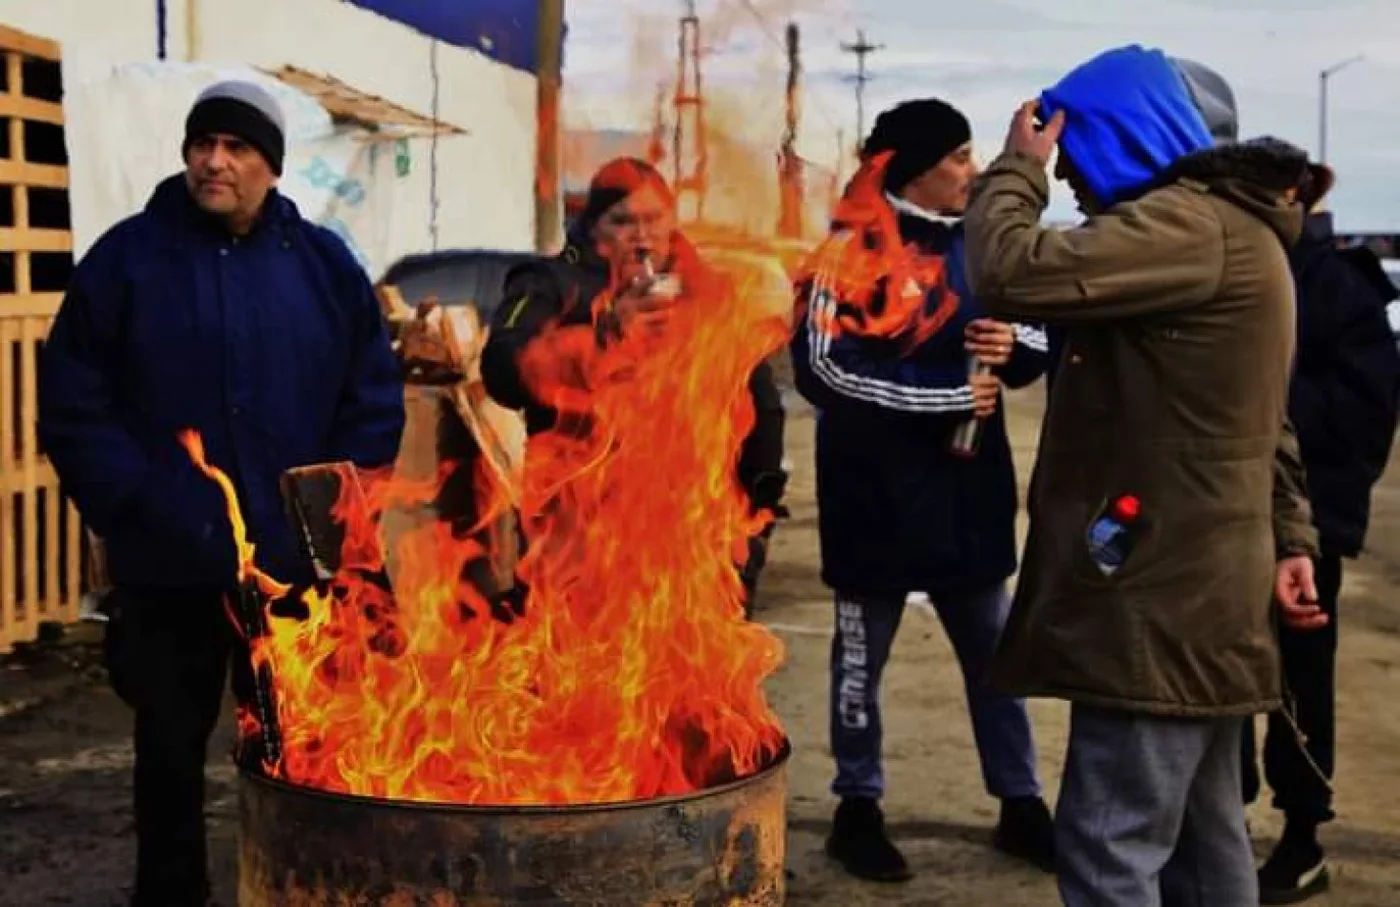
66 828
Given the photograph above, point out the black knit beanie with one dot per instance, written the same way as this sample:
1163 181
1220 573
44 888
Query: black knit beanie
616 180
241 109
920 133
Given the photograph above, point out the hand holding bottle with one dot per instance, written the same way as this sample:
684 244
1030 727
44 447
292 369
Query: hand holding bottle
991 341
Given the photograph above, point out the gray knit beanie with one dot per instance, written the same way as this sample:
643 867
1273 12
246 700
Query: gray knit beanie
242 109
1213 97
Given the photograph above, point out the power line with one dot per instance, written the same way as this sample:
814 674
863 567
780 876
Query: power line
862 48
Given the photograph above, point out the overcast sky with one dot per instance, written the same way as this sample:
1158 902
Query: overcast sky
987 55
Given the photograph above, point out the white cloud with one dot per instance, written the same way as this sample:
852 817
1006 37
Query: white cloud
987 56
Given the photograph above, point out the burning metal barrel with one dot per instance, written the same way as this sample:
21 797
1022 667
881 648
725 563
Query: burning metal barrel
309 848
424 705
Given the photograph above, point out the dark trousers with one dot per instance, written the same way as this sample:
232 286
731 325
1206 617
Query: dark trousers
860 648
167 653
1309 672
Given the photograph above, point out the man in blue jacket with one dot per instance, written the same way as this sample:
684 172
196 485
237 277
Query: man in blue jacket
219 309
899 510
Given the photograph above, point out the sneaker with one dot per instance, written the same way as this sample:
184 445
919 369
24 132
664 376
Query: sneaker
1027 832
858 842
1293 873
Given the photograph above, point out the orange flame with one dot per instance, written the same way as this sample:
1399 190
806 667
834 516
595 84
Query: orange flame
624 670
881 283
247 570
621 668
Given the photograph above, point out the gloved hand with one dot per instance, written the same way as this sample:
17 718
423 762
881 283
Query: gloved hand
766 490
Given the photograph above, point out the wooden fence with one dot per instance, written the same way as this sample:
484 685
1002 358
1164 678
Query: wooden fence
41 538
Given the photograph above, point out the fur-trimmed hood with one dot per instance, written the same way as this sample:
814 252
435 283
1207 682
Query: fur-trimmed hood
1253 175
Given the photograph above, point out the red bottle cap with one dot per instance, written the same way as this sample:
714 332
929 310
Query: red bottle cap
1127 508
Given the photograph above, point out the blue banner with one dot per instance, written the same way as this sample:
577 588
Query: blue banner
504 30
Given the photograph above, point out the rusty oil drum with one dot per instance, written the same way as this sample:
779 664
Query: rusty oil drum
307 848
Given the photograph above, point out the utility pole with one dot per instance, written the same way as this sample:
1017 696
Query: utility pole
862 48
790 188
656 146
549 83
689 155
1322 79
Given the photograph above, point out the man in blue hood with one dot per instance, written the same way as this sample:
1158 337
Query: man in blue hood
1215 100
1167 503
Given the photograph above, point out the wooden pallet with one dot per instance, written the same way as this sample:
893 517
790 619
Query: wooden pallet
41 537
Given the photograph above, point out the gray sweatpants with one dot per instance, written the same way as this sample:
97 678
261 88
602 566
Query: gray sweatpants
1150 813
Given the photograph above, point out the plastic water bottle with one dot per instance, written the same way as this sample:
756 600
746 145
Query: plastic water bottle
1111 536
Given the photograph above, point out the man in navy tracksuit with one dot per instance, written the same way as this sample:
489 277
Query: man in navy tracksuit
219 309
899 512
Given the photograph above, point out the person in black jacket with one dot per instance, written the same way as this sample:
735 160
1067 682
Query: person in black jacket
1343 403
899 511
628 220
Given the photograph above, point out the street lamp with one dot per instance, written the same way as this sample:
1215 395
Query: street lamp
1322 78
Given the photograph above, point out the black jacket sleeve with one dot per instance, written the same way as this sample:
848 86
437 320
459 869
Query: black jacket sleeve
1345 390
1029 357
369 421
761 458
532 300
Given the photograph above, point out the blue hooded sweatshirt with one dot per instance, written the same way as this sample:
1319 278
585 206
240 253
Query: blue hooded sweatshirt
1129 116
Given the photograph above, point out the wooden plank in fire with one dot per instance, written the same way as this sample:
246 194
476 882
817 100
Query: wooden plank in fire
442 346
321 499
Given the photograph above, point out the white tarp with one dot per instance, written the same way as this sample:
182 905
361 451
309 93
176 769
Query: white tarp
125 124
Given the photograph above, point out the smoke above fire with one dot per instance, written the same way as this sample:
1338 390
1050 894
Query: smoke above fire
628 103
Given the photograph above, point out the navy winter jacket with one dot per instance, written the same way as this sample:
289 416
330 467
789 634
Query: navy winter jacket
271 346
897 511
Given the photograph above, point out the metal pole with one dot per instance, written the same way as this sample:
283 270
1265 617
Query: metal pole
549 201
1323 78
1322 116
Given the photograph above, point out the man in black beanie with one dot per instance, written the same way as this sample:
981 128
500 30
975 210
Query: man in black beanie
218 309
901 371
233 150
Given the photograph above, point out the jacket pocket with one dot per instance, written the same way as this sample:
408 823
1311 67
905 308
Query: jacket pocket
1086 571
